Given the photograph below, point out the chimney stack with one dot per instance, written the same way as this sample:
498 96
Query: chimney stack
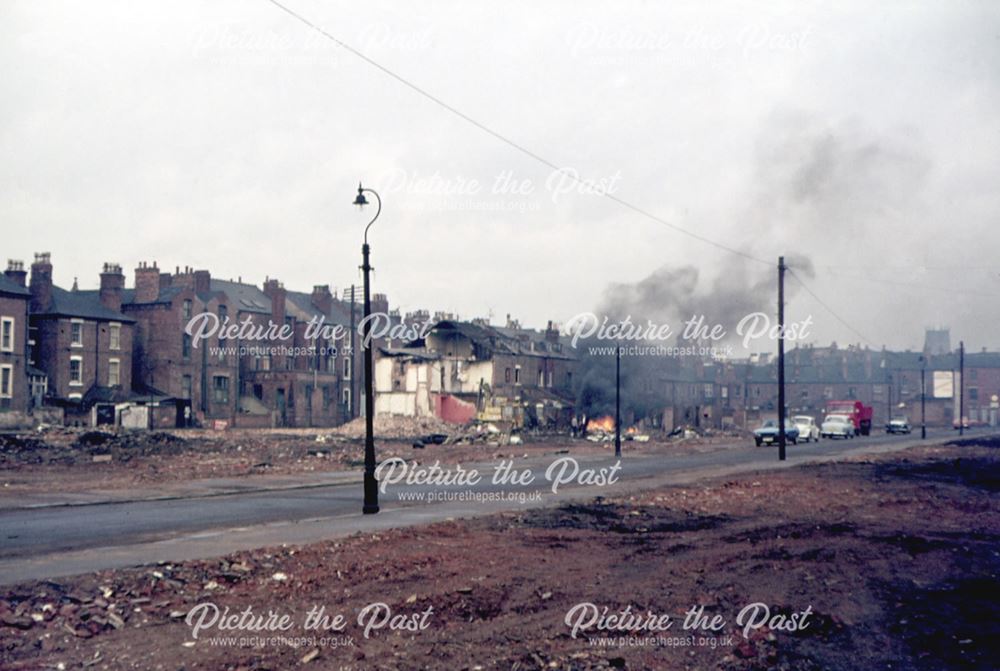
41 282
322 299
380 304
112 284
15 272
275 290
552 333
147 283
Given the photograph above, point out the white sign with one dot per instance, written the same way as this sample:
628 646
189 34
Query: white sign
944 383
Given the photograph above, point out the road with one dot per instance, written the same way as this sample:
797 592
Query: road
64 540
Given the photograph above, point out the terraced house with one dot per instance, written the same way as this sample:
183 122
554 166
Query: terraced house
80 341
14 300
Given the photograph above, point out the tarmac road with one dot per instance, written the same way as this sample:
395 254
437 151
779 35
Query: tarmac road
60 540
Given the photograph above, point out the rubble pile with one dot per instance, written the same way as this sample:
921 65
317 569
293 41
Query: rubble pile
396 428
82 447
51 613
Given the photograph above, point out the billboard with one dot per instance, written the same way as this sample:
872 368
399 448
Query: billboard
944 383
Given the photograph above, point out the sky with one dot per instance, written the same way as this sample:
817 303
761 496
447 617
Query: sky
861 140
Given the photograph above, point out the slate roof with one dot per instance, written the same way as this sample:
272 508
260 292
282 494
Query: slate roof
9 286
299 304
502 340
167 294
244 297
84 304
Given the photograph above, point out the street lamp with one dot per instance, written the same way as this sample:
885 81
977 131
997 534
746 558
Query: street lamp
371 484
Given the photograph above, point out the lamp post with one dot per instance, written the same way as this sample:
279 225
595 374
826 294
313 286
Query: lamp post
371 484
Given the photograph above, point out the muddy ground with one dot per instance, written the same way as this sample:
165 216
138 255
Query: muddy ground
896 558
78 460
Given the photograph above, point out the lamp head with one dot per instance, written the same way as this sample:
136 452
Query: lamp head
360 201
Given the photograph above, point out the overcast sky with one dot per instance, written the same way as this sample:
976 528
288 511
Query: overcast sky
227 135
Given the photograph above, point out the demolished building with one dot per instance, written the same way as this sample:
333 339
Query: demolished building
462 371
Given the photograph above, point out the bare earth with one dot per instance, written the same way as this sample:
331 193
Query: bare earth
895 557
75 460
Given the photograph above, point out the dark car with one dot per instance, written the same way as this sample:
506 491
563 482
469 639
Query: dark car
767 434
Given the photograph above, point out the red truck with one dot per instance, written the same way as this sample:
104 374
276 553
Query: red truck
860 414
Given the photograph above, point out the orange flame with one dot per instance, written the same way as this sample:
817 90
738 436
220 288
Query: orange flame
606 424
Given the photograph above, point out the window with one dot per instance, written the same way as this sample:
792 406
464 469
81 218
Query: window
517 375
7 334
6 381
709 391
186 346
186 309
327 397
186 386
973 394
223 314
724 392
76 371
220 388
347 367
541 377
115 336
506 375
347 398
114 372
76 334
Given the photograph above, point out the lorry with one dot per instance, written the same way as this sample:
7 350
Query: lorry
859 413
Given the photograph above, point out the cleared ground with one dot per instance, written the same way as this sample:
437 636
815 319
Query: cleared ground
895 556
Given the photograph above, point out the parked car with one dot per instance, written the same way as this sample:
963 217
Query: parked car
768 433
808 431
837 426
898 425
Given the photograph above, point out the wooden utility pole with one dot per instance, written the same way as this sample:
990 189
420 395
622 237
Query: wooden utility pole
781 358
961 387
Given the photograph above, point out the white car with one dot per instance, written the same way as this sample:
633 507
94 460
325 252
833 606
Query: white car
837 426
808 431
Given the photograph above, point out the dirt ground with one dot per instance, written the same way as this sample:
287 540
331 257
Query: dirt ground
75 460
895 558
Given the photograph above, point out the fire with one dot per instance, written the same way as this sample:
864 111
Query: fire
606 424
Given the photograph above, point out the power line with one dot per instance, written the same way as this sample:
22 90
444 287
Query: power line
521 148
828 308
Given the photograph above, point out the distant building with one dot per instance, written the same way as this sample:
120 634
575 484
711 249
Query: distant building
81 341
462 370
937 342
14 301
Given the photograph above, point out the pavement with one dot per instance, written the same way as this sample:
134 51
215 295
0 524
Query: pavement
57 534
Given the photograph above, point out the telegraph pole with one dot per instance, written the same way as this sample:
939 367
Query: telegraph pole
961 387
923 398
781 358
618 399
